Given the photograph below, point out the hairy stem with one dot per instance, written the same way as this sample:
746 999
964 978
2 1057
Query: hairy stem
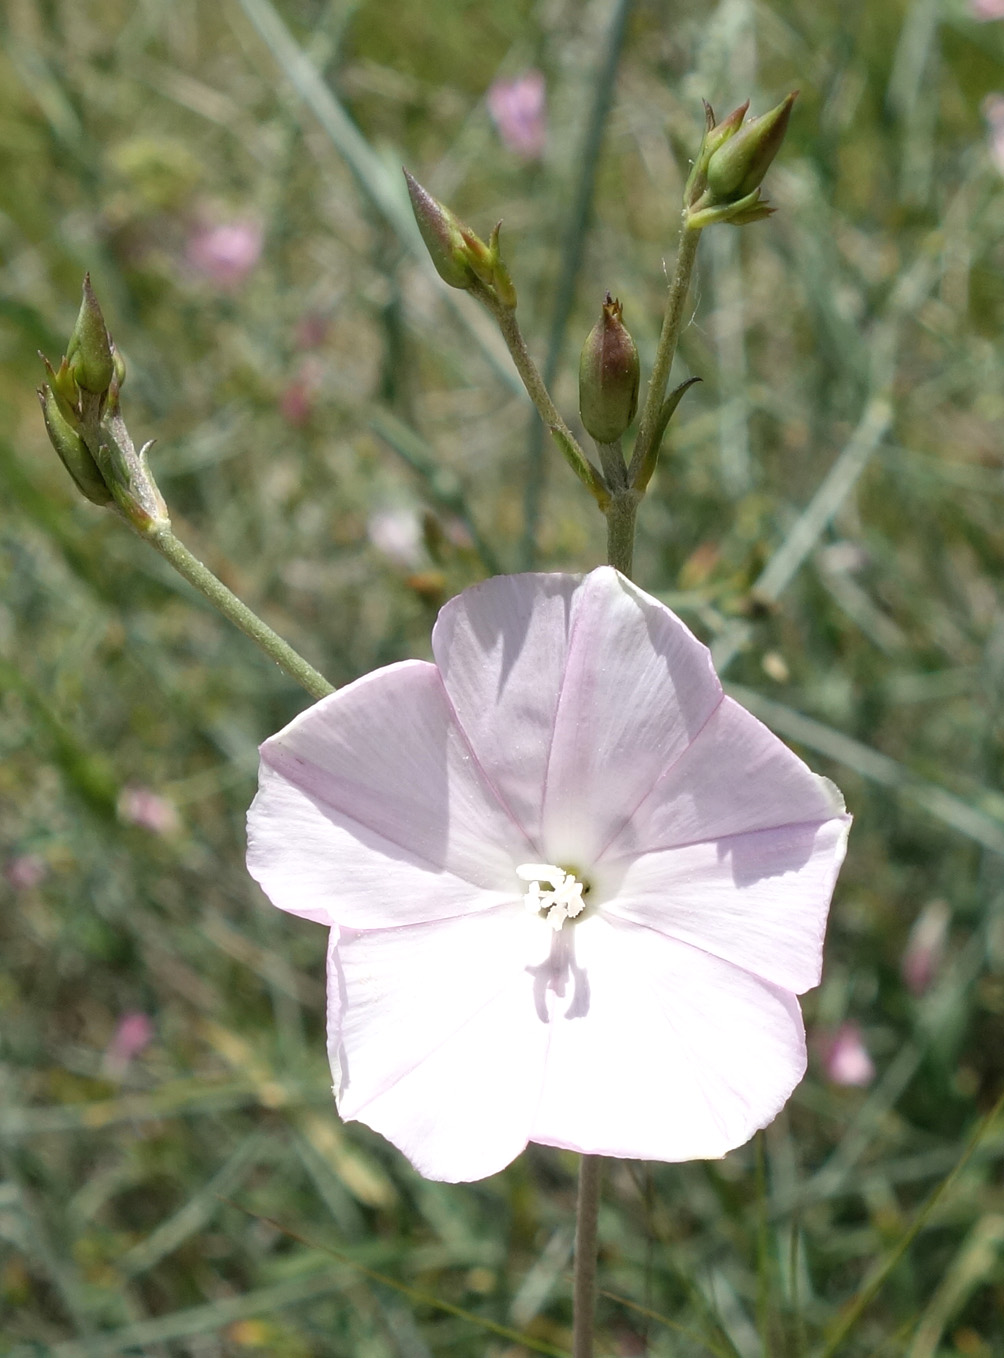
672 324
174 551
622 512
540 396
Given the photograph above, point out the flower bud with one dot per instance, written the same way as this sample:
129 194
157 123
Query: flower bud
461 257
715 136
89 353
448 241
73 451
738 166
608 376
724 184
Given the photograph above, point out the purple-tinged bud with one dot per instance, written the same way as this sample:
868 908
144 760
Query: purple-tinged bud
608 376
738 166
72 450
461 257
449 242
89 352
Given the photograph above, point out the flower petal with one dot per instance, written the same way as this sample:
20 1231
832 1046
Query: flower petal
680 1056
371 812
758 900
638 689
501 648
575 693
736 776
735 850
435 1040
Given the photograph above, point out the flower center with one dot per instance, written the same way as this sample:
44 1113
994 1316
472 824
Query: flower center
552 892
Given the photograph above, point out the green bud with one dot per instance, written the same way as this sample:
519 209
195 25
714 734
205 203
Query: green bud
72 450
461 257
65 391
451 244
89 353
724 184
715 135
738 166
608 376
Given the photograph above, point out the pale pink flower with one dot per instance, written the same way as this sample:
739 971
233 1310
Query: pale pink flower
925 948
985 10
993 114
133 1033
25 871
299 396
574 889
226 253
518 108
149 810
846 1057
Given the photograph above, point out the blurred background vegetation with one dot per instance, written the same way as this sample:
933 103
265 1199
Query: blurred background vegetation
340 437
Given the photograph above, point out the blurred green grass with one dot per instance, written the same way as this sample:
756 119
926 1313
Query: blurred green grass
829 517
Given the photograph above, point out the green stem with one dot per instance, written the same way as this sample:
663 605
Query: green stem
162 537
614 467
672 324
622 512
587 1218
540 396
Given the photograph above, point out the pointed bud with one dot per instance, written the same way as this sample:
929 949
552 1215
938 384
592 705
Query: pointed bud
461 257
608 376
738 166
89 353
72 450
449 242
715 136
724 185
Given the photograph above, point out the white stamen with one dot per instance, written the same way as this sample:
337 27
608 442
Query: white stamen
563 900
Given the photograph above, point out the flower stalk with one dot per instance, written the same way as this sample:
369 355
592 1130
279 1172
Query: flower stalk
586 1243
529 375
646 448
174 551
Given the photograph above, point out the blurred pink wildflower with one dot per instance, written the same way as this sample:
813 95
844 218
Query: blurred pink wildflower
226 253
925 948
985 10
149 810
132 1035
846 1057
25 871
518 108
574 890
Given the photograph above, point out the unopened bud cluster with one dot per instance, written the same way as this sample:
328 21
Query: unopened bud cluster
80 406
724 184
